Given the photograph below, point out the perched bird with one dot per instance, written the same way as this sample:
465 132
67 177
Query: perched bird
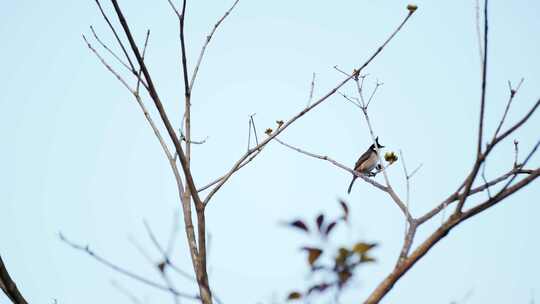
366 162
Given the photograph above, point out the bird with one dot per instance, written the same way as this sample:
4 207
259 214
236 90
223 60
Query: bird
366 162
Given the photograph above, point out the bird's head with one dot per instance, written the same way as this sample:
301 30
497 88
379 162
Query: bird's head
379 146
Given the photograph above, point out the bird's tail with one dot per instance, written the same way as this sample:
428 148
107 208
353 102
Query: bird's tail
350 186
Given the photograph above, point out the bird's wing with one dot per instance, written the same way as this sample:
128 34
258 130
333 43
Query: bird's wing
362 159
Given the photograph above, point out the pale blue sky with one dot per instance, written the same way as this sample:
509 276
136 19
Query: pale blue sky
78 157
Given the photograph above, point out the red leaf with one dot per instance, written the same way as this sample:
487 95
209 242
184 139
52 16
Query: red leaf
320 221
329 228
345 208
299 225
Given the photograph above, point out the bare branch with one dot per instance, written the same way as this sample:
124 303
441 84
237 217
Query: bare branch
174 9
512 93
351 99
139 79
207 41
471 177
516 153
126 292
312 88
157 101
123 271
165 255
386 285
8 286
116 36
407 243
122 80
522 165
219 179
485 180
479 32
341 71
254 129
484 83
456 196
108 49
415 170
377 85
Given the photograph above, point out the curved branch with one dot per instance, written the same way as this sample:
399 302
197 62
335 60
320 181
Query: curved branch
8 286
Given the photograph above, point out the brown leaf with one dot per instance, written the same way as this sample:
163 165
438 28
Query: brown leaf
412 7
343 254
300 225
320 221
364 258
361 247
313 254
344 276
295 295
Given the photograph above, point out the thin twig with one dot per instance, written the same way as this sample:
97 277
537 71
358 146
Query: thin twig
335 163
116 36
512 93
143 57
484 83
342 71
516 152
485 179
479 32
116 74
126 292
378 84
351 99
165 255
123 271
108 49
312 88
254 129
456 196
207 41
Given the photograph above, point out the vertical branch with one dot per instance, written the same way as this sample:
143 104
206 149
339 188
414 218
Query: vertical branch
187 91
254 129
197 257
479 32
479 156
312 88
484 78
